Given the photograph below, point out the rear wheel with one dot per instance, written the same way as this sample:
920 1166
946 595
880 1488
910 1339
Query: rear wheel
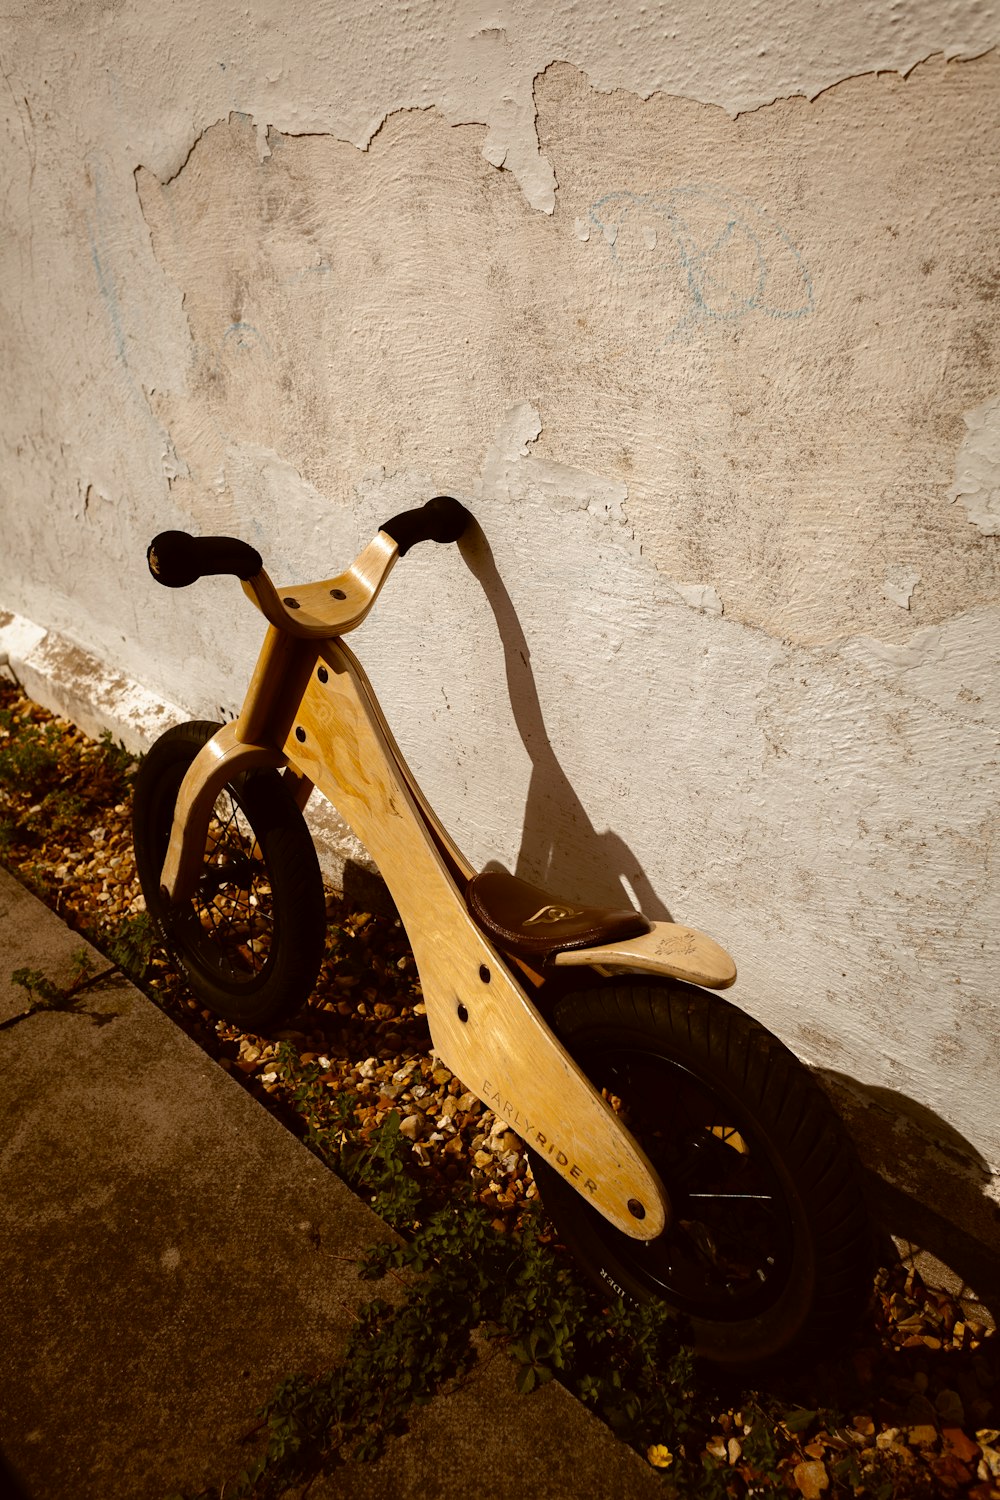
250 940
767 1251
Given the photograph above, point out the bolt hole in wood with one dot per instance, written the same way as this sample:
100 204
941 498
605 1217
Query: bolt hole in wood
463 1014
300 735
636 1209
337 594
484 973
323 675
292 603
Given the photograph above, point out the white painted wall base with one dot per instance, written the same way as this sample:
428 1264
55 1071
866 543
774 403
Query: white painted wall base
71 682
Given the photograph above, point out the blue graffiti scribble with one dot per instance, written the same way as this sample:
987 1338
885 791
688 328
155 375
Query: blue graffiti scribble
100 256
245 337
731 258
109 295
323 269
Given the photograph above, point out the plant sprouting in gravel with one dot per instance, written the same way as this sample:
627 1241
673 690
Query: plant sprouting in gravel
131 947
29 754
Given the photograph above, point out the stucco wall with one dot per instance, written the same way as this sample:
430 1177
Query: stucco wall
695 309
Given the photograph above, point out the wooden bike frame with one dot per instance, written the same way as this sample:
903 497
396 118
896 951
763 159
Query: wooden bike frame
311 710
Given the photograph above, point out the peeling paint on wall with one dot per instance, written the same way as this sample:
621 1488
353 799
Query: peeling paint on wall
310 80
977 468
700 596
752 451
899 584
514 472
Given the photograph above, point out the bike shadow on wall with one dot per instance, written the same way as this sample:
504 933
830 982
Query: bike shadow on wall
561 849
913 1158
928 1185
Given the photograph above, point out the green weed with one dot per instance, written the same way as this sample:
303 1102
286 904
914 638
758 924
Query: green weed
46 994
131 946
63 810
375 1163
463 1276
629 1366
29 758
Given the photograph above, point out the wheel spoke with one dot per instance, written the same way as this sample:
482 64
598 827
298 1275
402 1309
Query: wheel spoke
231 907
735 1197
729 1239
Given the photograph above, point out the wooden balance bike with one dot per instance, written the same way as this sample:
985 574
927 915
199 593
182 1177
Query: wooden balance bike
682 1151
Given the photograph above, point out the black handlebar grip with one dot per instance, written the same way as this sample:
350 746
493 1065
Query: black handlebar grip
176 559
442 519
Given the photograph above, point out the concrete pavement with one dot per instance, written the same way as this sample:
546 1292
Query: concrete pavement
168 1253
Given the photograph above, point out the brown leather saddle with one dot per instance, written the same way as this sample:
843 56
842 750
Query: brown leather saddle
524 920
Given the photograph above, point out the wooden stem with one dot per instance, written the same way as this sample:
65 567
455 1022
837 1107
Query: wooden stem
277 684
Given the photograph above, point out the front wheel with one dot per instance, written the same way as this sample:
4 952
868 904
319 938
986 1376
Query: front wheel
250 941
767 1251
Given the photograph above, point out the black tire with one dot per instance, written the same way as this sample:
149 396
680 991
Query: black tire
250 941
768 1252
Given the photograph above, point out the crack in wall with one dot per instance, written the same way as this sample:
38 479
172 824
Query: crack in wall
902 71
512 142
